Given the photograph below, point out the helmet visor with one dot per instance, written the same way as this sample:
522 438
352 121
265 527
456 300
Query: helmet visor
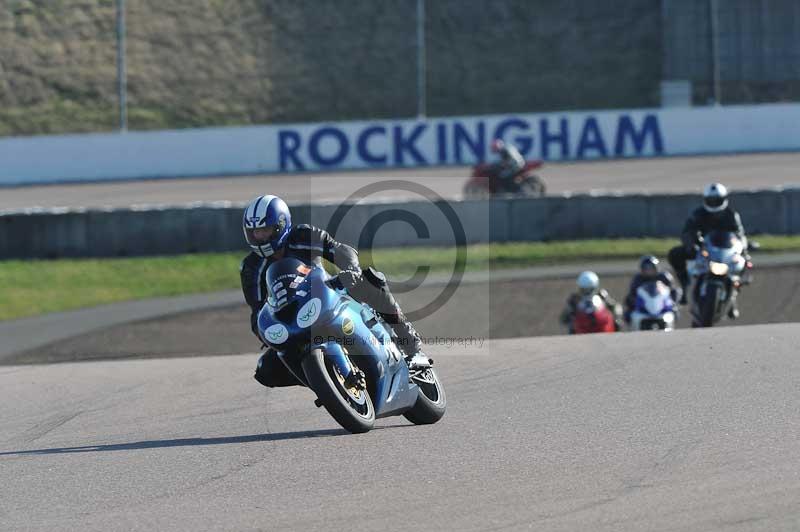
649 271
259 236
714 201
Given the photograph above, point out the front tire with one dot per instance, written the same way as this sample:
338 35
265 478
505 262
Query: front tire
533 186
709 305
431 399
351 408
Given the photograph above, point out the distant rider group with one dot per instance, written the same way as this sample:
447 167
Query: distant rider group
713 252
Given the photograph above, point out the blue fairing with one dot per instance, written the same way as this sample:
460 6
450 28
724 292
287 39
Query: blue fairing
311 314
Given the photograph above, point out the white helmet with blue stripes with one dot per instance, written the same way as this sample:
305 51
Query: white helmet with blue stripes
266 224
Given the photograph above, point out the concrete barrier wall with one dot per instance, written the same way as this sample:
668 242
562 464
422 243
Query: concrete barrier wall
574 135
217 227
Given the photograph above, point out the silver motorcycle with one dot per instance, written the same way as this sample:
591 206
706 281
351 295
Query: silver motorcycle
719 270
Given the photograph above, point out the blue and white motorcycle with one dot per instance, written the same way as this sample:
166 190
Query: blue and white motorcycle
654 309
343 351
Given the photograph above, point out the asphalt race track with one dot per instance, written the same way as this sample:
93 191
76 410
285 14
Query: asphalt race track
692 430
696 430
666 175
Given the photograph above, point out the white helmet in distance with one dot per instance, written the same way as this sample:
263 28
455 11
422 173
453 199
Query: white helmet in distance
715 197
588 283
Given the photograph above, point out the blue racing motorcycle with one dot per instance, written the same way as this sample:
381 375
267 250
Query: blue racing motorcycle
343 351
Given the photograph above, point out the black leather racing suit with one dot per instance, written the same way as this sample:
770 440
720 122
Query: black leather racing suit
702 222
311 244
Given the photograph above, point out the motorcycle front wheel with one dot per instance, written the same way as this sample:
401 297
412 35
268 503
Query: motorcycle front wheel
351 407
431 400
709 306
533 186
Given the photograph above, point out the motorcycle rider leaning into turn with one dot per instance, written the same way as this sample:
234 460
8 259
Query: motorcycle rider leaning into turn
714 214
269 231
648 272
588 285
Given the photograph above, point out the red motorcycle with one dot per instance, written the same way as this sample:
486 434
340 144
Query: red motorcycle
485 183
592 315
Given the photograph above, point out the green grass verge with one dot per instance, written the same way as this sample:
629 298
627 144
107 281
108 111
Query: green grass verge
36 287
522 254
29 288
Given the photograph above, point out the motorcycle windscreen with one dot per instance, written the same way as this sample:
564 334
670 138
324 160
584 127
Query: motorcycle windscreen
285 281
723 245
723 239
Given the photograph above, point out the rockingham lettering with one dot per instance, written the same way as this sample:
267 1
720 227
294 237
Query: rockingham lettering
626 129
474 141
332 146
467 140
363 146
405 143
591 139
561 138
340 149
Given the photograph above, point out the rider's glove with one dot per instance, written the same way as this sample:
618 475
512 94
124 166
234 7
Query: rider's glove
350 278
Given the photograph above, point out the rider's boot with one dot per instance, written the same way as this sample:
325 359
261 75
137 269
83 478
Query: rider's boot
408 339
409 342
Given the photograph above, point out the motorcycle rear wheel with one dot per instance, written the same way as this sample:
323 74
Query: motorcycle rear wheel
431 401
351 408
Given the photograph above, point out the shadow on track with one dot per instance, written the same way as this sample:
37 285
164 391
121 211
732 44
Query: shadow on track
189 442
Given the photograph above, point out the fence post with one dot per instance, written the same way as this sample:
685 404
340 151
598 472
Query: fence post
122 74
421 65
713 24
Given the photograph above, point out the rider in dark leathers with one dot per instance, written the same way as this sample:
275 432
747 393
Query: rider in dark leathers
269 214
648 272
714 214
